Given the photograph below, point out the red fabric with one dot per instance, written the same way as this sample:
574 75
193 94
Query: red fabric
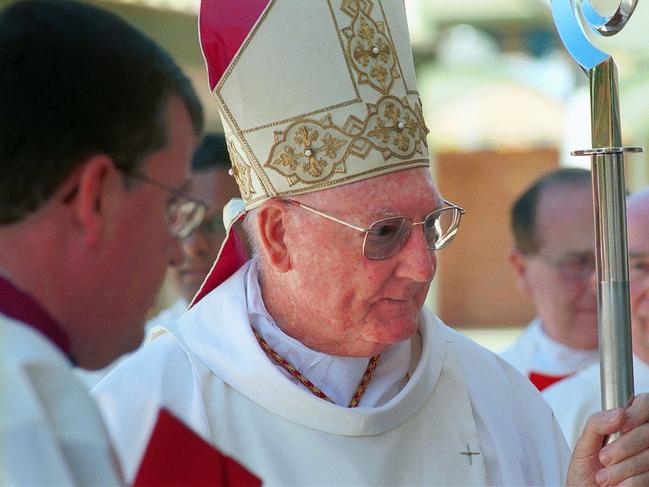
20 306
223 27
231 258
541 381
178 456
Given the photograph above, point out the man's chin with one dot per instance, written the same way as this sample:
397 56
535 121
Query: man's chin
399 330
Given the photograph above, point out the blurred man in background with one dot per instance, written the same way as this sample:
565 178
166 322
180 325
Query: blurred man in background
212 184
553 257
95 165
575 398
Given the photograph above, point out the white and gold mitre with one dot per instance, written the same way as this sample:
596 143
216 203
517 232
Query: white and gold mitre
313 93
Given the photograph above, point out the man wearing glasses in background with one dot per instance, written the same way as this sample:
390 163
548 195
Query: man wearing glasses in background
97 129
553 258
316 362
212 184
573 399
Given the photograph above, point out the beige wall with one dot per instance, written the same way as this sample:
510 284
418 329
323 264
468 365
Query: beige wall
475 283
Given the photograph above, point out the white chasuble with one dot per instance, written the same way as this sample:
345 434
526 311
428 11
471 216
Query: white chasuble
51 431
464 417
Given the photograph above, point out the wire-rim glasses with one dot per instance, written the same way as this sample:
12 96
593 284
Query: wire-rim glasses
184 214
386 237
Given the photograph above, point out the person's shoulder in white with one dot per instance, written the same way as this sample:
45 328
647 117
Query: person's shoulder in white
523 393
143 381
520 352
577 397
48 417
573 400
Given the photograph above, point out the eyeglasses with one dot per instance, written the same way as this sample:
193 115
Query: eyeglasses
386 237
184 214
577 266
638 268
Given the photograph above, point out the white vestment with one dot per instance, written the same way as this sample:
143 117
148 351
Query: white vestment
52 433
577 397
536 352
210 372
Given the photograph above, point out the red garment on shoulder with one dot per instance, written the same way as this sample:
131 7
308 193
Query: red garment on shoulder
20 306
176 456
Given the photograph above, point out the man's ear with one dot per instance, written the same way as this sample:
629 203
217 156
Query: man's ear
271 228
517 260
85 193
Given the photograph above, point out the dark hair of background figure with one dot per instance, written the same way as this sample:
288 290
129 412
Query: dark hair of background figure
523 214
76 81
212 153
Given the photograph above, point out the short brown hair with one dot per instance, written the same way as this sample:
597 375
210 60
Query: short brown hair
76 80
523 213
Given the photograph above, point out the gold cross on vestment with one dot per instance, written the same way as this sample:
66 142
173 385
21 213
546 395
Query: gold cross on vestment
469 453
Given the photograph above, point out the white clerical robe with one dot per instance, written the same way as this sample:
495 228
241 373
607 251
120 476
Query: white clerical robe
535 354
577 397
464 416
52 433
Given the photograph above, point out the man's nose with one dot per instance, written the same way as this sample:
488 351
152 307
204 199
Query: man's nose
416 261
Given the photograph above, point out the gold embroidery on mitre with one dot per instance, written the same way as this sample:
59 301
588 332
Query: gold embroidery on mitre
369 49
309 151
312 151
395 128
241 172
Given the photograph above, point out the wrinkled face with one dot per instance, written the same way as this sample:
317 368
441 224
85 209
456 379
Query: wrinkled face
146 246
215 187
559 278
638 234
344 303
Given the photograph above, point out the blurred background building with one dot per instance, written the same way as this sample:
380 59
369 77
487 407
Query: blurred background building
504 103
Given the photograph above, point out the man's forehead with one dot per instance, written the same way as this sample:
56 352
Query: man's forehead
404 191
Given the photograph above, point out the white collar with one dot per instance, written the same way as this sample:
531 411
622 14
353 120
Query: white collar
338 377
556 358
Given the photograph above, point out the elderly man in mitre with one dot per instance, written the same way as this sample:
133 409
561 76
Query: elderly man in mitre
316 362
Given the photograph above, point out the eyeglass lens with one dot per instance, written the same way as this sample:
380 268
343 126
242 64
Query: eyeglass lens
386 237
440 227
184 217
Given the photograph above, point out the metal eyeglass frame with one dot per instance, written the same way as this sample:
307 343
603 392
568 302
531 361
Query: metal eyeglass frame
196 208
450 206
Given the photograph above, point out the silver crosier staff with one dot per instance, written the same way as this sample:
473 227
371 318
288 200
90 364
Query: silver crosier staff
607 156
